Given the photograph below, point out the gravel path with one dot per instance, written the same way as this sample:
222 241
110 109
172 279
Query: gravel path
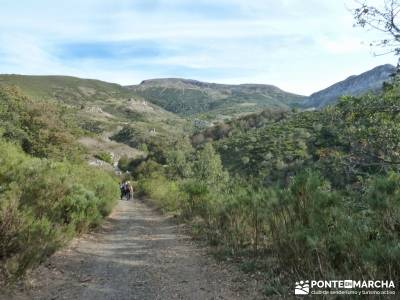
137 254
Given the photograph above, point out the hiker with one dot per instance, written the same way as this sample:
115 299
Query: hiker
129 188
126 190
122 188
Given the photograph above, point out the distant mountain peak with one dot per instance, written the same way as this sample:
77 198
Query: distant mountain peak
354 85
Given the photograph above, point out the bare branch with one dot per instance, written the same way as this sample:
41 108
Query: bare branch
384 19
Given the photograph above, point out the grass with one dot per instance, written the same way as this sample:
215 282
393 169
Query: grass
104 156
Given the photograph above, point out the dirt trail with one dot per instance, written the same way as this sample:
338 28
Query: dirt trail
137 254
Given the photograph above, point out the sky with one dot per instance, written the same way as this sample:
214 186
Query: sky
300 46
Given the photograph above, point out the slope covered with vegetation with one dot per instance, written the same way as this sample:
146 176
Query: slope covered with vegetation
70 90
91 96
47 191
306 194
100 108
356 85
210 100
282 187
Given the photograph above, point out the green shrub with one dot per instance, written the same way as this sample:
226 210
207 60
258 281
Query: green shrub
305 223
208 167
148 169
179 164
165 193
42 128
327 235
43 204
104 156
380 221
317 192
195 203
130 164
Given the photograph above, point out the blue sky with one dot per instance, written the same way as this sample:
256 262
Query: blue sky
299 45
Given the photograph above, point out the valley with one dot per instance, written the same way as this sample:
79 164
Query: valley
199 149
254 172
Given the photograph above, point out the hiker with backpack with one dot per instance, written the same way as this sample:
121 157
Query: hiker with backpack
129 188
126 190
122 190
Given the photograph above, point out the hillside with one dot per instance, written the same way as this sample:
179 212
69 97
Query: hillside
355 85
190 97
261 188
269 186
101 108
48 192
87 94
65 88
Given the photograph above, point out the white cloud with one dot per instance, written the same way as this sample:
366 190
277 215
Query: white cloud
342 45
298 45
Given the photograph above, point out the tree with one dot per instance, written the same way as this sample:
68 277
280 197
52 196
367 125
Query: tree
385 19
208 166
179 165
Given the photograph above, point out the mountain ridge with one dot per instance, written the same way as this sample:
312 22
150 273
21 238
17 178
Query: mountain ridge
354 85
189 97
203 84
195 98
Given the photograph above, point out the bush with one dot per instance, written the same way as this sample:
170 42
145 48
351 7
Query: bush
105 156
165 193
130 164
195 203
315 230
148 169
307 224
43 204
318 191
208 166
42 128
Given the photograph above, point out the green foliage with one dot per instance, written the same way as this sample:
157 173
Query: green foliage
92 126
47 193
195 202
42 128
273 152
148 169
336 235
97 107
104 156
308 223
165 193
143 148
318 192
179 164
43 203
357 138
193 101
156 144
242 124
130 164
188 98
208 167
69 90
123 163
